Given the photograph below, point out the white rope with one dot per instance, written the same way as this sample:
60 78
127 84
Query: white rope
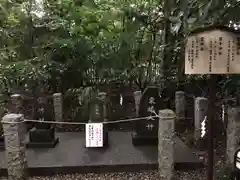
79 123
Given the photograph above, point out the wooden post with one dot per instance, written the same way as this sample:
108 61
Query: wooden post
210 124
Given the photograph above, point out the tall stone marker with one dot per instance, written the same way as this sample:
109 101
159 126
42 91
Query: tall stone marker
137 98
43 134
58 108
97 116
200 111
146 130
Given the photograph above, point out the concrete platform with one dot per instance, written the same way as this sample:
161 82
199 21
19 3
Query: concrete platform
71 156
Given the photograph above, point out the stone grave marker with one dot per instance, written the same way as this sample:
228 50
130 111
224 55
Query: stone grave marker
97 116
146 130
43 134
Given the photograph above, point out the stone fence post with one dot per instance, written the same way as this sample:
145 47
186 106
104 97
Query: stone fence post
166 134
200 111
233 132
14 134
16 103
180 104
137 98
58 108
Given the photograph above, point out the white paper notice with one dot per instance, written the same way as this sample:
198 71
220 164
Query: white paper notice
94 135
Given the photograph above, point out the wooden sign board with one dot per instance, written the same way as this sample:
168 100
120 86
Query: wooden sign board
215 51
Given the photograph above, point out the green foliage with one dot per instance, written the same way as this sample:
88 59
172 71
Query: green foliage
100 41
225 173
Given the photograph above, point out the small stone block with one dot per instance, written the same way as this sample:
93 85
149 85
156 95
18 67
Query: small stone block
42 138
140 140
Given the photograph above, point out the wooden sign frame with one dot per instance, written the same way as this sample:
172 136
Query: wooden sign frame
213 50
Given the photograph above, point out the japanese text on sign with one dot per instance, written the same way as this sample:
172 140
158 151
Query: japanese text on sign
94 135
213 52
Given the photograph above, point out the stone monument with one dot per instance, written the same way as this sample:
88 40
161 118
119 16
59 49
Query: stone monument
43 134
97 116
146 130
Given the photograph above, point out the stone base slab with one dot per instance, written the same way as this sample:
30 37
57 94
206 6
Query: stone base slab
71 156
42 138
140 140
51 144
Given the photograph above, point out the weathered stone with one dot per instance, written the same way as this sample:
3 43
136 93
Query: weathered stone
166 134
103 97
137 97
14 133
58 108
180 104
96 110
146 130
97 116
200 111
233 132
58 105
16 103
43 134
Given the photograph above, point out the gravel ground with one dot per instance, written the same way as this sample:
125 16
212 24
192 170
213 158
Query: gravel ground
150 175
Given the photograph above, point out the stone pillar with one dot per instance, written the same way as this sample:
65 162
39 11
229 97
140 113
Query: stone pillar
14 134
180 104
103 96
166 134
16 102
58 108
200 111
137 97
233 132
